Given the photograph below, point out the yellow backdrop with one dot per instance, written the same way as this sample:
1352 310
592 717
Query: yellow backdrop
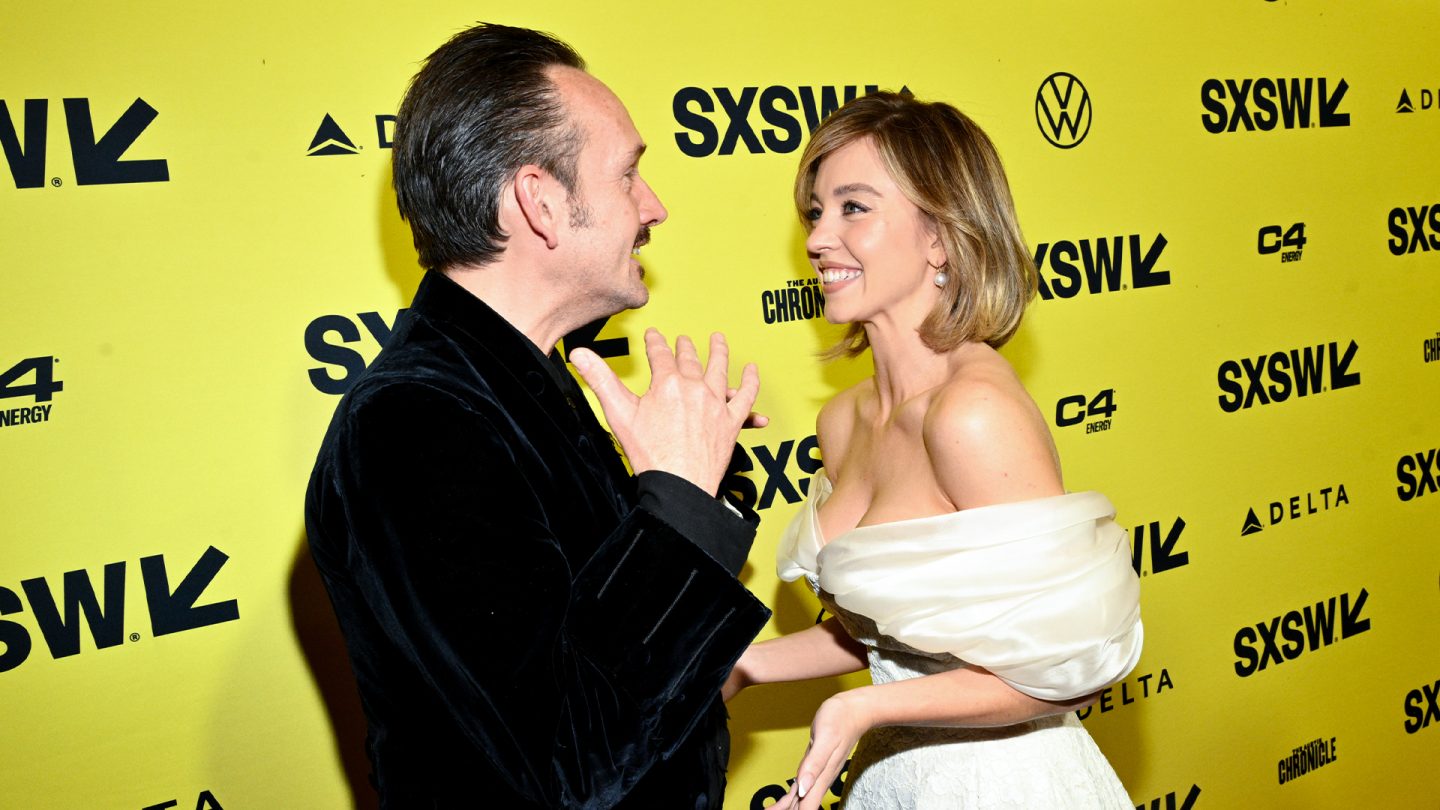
1236 211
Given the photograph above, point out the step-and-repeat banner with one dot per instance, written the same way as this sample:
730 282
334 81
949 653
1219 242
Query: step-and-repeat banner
1234 208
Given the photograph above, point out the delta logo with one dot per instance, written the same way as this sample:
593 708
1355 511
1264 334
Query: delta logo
96 161
331 139
1265 104
1296 507
1428 101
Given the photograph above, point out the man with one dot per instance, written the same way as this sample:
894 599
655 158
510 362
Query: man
530 626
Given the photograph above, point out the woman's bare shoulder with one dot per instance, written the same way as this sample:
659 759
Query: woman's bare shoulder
987 440
835 424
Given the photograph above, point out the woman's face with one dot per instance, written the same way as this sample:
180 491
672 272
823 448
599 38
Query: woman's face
875 252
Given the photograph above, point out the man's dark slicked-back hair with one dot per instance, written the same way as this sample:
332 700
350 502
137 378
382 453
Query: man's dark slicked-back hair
480 108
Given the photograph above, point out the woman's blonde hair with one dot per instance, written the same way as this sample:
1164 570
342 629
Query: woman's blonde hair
948 168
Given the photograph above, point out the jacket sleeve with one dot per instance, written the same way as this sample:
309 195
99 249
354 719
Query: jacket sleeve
573 675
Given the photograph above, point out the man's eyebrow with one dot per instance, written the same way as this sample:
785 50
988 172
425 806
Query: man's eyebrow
639 150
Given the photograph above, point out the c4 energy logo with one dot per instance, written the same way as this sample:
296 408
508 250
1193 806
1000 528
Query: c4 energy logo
1278 376
1172 801
330 139
1286 103
96 162
800 299
1306 758
774 462
1133 688
1287 637
1408 226
1422 707
1296 507
33 377
790 112
1288 242
1418 474
1063 110
1097 265
1098 410
58 615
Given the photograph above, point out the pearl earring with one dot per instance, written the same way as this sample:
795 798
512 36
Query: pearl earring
941 278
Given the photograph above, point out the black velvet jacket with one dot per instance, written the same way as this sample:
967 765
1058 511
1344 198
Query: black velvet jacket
530 627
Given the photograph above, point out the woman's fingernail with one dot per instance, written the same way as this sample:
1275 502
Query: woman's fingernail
804 786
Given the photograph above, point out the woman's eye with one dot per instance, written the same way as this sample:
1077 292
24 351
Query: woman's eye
852 207
813 214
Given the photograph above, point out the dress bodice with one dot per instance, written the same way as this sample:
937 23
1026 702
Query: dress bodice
1040 592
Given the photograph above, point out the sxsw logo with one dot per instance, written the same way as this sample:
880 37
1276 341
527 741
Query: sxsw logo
58 614
1422 707
1287 103
330 340
1427 101
1171 801
1289 242
97 162
791 114
774 461
1163 555
1313 503
1408 227
330 139
1278 376
1098 265
1287 637
1063 110
1418 474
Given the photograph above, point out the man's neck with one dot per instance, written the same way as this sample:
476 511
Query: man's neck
519 298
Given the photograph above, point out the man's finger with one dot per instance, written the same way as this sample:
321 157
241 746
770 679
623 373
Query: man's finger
612 393
717 365
743 401
657 351
686 358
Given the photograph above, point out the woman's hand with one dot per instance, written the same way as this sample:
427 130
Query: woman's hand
837 727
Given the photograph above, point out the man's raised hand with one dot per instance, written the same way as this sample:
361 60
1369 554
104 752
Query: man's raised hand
687 421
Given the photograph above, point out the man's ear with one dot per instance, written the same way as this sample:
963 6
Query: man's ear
534 192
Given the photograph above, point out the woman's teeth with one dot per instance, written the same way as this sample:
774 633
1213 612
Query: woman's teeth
830 275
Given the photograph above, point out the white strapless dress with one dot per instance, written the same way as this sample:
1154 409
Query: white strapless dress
1040 593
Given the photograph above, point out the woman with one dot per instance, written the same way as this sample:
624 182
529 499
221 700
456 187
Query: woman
989 604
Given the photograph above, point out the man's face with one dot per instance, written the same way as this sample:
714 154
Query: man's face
611 207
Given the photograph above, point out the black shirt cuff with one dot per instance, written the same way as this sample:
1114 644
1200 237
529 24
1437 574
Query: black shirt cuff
724 534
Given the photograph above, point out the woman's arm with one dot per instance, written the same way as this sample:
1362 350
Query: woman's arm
968 697
987 444
821 651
